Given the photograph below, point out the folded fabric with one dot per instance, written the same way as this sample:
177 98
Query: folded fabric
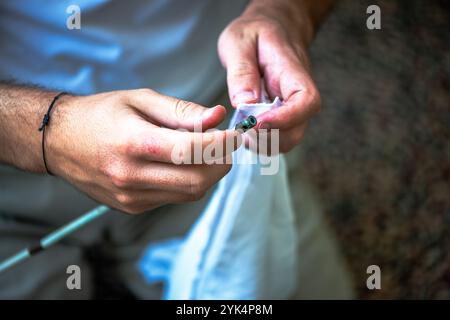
244 245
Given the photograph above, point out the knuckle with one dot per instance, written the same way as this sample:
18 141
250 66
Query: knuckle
314 99
242 69
182 108
126 145
125 200
223 37
119 176
136 145
129 96
230 33
144 91
182 153
210 139
197 188
122 96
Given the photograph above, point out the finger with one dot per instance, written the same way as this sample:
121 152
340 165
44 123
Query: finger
271 142
299 106
139 201
178 147
184 179
292 82
239 56
175 113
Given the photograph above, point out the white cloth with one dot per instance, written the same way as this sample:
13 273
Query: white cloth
244 245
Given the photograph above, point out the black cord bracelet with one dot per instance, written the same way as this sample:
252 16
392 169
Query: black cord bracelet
45 122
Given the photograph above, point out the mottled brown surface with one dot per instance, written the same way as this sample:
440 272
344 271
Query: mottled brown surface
379 153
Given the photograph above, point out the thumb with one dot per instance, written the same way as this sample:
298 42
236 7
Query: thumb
175 113
243 77
192 116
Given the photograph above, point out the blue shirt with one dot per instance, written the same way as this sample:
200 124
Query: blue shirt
167 45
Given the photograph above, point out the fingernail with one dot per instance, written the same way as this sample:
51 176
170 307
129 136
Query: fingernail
244 97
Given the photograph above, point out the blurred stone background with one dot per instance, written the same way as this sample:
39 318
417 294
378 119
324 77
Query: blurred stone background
379 152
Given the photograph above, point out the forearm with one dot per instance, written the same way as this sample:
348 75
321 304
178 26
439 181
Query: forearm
21 113
301 17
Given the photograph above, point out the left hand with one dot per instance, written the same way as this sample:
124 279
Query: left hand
259 45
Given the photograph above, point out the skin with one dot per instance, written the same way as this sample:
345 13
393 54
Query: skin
117 146
270 39
112 147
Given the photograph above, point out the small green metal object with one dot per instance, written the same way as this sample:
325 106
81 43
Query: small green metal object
246 124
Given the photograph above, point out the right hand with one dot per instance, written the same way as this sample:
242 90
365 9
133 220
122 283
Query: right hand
112 147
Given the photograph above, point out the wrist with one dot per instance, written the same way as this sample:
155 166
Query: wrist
21 113
57 143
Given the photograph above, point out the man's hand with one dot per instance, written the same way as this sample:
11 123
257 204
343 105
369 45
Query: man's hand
118 147
112 147
270 40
